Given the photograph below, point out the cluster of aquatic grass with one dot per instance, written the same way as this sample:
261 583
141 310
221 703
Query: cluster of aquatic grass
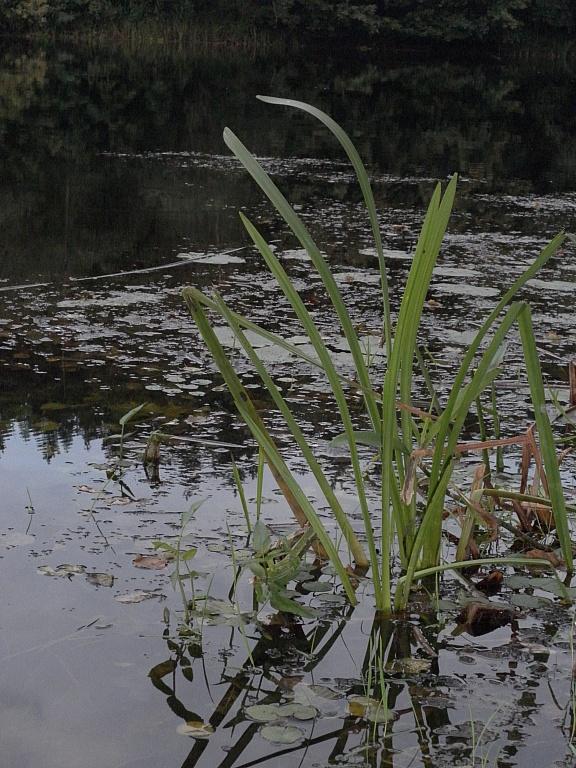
411 528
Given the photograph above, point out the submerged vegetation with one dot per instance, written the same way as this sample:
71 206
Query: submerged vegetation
415 447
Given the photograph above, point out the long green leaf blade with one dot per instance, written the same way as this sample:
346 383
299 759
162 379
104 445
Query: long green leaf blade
326 360
256 426
367 193
304 237
339 514
547 445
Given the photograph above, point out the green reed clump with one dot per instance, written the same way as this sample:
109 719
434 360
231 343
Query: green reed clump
410 529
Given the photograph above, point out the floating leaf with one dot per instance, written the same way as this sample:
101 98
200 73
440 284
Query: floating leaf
518 581
136 597
282 734
332 599
447 605
66 569
317 586
523 600
326 701
100 579
86 489
298 711
216 547
540 554
150 562
121 501
263 713
196 729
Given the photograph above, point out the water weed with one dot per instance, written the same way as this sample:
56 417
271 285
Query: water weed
416 447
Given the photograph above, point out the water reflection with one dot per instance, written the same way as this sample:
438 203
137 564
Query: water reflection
444 705
67 209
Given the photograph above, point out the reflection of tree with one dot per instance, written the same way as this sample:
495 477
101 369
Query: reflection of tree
21 79
67 208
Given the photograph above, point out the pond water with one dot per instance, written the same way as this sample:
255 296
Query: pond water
116 191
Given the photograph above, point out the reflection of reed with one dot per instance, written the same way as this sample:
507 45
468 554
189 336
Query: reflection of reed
389 640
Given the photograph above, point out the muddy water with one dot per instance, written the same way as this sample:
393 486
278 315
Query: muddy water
114 164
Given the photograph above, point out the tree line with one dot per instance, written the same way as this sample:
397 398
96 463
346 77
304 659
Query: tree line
440 20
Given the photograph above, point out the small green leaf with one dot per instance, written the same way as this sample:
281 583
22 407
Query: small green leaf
189 514
286 605
257 569
261 537
130 415
164 546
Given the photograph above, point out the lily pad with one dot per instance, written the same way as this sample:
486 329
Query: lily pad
263 713
282 734
523 600
328 702
331 598
298 711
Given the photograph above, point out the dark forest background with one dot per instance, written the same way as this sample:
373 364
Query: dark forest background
450 21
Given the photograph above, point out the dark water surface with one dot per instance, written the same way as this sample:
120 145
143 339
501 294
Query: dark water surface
114 163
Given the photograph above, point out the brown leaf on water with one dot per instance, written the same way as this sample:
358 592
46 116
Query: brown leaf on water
491 584
479 618
540 554
151 562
